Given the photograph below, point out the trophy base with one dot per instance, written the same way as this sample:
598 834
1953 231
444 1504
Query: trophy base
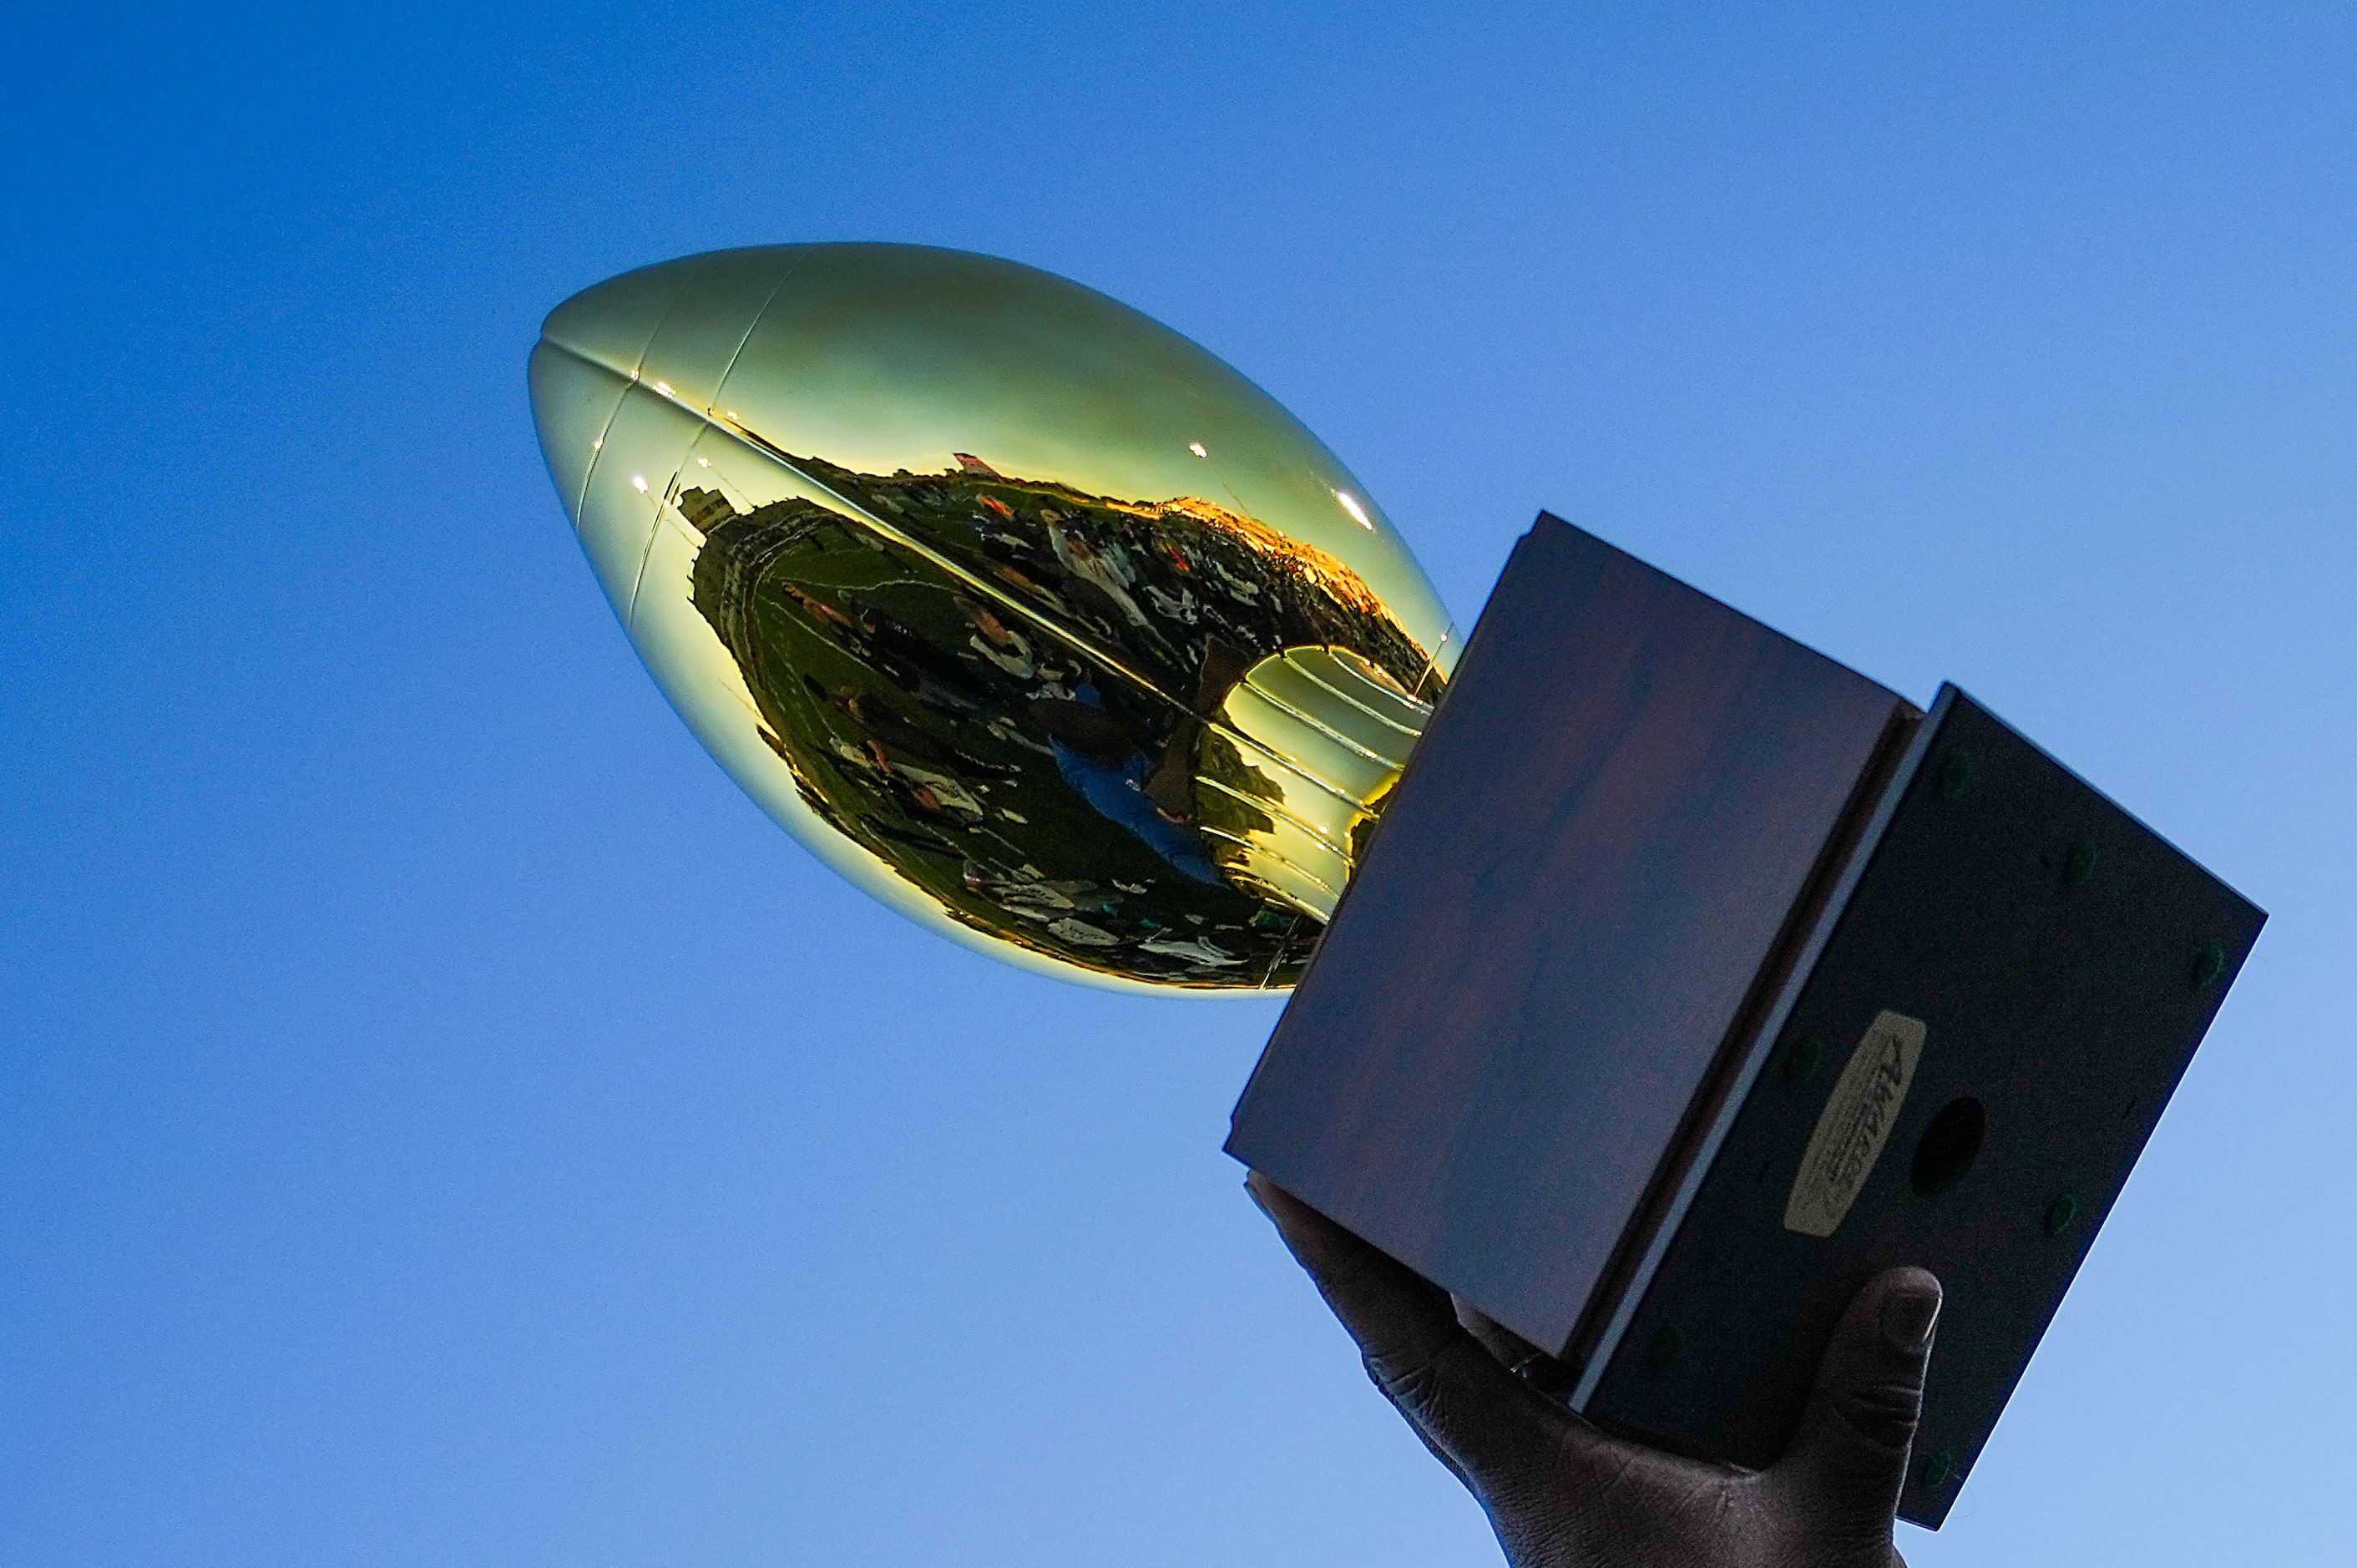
1692 979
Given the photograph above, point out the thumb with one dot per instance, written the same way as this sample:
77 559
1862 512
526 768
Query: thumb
1848 1460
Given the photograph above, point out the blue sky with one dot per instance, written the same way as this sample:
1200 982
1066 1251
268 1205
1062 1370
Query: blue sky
442 1120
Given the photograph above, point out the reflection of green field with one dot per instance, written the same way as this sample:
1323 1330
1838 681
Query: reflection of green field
934 758
1054 880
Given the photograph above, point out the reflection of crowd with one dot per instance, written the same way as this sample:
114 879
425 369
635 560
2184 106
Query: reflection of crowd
942 752
1151 581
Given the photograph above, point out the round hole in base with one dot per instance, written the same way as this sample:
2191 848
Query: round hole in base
1949 1146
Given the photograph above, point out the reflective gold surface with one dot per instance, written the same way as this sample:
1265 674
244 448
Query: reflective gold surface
1020 611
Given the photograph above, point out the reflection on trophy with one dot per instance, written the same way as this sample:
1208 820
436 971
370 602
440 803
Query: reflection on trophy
1024 612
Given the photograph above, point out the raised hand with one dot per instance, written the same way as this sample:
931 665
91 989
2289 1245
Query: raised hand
1562 1494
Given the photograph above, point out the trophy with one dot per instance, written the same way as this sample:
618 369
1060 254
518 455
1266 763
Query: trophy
1692 979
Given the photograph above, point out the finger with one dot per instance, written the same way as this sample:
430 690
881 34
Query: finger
1491 1428
1849 1459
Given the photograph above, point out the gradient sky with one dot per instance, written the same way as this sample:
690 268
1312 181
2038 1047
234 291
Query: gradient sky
442 1120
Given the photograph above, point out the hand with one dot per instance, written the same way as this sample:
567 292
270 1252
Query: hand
1562 1494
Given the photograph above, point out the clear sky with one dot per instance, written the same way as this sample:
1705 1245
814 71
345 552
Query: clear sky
442 1120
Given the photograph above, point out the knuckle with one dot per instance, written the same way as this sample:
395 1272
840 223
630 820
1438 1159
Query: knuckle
1412 1382
1883 1411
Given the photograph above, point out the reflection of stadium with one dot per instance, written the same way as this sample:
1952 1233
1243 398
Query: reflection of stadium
1064 716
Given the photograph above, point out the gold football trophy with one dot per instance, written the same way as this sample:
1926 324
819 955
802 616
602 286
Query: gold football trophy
1025 613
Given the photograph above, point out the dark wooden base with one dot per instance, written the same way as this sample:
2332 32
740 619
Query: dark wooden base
1654 878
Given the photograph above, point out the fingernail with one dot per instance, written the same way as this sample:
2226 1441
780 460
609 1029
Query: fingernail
1265 1214
1908 1316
